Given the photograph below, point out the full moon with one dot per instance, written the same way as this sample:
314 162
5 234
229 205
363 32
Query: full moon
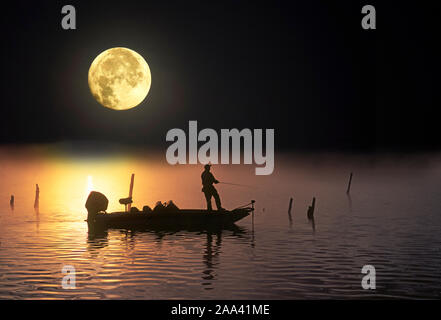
119 78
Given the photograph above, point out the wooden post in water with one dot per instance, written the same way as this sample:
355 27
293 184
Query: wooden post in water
37 199
12 202
311 209
252 214
132 181
349 184
289 210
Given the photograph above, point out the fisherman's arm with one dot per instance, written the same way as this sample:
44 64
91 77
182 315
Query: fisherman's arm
214 179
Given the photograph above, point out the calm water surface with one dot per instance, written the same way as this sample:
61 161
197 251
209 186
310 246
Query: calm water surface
392 220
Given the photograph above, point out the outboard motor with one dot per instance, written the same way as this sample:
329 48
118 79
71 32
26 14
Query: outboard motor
95 203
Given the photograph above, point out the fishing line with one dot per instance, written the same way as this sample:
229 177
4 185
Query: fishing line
279 195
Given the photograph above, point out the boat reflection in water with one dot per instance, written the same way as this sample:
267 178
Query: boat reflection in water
98 238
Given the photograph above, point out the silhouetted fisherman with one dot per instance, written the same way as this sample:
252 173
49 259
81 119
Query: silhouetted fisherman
209 190
11 202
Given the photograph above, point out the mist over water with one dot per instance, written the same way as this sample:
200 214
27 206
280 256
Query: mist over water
391 219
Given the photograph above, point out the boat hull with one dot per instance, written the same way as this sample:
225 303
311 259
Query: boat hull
185 219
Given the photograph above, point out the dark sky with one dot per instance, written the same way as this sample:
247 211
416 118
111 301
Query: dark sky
305 68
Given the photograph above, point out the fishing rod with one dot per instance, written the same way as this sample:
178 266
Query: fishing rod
237 184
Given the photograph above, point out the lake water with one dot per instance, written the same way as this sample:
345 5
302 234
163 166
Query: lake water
392 220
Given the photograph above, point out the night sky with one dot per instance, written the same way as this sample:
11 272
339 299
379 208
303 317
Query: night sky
305 68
